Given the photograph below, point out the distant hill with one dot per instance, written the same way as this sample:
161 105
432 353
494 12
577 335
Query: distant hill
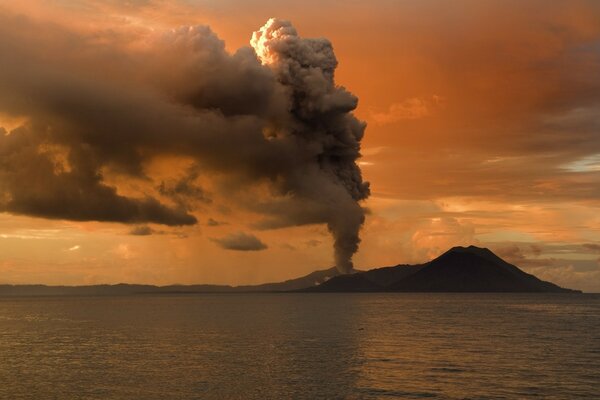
121 289
124 289
460 269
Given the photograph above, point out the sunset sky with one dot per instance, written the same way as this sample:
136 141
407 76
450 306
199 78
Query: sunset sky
483 127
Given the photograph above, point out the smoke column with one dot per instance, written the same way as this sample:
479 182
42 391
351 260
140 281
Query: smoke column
320 117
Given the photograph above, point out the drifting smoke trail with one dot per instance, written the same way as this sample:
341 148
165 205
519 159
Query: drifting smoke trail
320 117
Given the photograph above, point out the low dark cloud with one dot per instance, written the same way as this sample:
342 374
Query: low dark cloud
592 246
31 183
141 230
241 242
312 243
214 222
536 249
559 256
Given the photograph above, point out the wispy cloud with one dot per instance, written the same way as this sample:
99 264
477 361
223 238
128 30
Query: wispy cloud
412 108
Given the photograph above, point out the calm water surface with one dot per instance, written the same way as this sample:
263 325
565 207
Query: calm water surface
301 346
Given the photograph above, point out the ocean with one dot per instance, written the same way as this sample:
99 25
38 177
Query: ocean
301 346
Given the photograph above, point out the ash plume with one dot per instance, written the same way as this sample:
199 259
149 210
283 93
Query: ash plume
270 114
319 118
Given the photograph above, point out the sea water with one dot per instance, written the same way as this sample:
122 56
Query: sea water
301 346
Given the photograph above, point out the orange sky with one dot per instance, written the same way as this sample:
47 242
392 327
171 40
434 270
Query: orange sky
483 127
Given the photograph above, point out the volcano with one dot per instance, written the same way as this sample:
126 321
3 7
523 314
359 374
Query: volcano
460 269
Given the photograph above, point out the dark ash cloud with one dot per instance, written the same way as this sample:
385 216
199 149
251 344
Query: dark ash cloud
107 107
321 121
241 242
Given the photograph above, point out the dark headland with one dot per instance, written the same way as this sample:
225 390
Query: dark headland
460 269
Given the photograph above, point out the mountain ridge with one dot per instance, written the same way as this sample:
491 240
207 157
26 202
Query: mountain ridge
124 289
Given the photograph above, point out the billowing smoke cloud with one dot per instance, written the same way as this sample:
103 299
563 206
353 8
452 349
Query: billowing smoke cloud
320 119
106 104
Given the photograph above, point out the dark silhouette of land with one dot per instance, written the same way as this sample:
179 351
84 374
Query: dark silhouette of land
460 269
123 289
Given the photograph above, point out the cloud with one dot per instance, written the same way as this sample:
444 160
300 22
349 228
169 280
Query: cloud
288 246
125 251
412 108
438 234
521 112
185 192
114 101
214 222
241 242
594 247
568 275
522 256
141 230
29 185
312 243
536 249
